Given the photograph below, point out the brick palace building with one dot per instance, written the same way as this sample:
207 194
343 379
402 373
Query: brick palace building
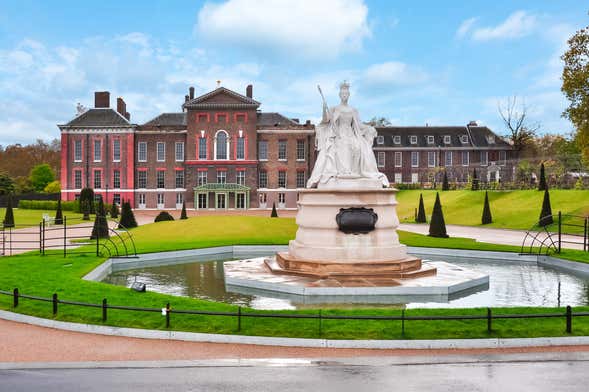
222 152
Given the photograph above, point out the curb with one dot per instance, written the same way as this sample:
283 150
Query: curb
297 342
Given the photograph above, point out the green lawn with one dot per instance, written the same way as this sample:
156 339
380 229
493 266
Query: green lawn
23 218
43 276
510 209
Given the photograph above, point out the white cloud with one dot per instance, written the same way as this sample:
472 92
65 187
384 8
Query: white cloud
465 27
306 28
518 24
393 73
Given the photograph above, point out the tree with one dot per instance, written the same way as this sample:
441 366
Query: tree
114 210
183 213
127 217
437 226
546 213
9 216
542 183
59 214
53 187
379 122
87 201
41 175
420 218
100 229
575 86
515 119
6 184
487 218
445 185
274 213
475 180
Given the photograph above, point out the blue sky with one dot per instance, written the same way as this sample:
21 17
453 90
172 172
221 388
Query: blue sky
441 63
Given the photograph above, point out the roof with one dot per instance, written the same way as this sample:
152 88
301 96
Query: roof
274 120
221 97
477 136
168 120
98 117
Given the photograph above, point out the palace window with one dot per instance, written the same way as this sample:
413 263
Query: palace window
116 199
202 148
161 179
262 179
179 198
142 199
221 146
413 139
448 158
202 200
465 158
160 200
484 158
142 152
179 178
447 139
380 139
97 179
300 150
464 139
241 177
281 179
161 151
397 139
240 151
240 200
414 158
282 150
116 179
281 198
179 151
430 140
221 177
263 150
77 179
142 179
300 179
202 178
116 150
502 157
78 151
97 150
381 158
431 158
398 159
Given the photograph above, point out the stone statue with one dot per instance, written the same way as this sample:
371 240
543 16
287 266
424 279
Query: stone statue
345 146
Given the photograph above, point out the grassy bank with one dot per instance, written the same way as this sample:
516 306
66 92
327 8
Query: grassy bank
43 276
23 218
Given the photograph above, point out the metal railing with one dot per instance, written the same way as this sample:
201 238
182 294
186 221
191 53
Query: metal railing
565 229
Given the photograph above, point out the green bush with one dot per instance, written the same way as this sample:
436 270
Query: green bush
437 226
487 217
163 216
127 217
9 217
420 217
48 205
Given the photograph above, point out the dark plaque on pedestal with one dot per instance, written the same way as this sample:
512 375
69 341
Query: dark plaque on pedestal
356 220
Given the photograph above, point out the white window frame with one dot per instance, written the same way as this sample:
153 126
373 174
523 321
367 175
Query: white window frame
467 158
116 150
240 177
283 142
431 162
179 154
448 162
222 175
301 179
240 145
141 200
381 156
398 178
76 173
430 139
202 142
301 150
76 144
502 157
202 178
485 161
141 145
413 139
380 139
161 201
416 155
398 159
447 139
138 179
228 146
464 139
265 150
157 174
263 174
397 139
99 144
99 177
176 177
114 179
158 158
285 179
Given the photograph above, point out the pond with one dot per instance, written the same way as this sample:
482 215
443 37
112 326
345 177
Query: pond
511 283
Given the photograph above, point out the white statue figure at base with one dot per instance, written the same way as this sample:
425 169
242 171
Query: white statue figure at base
345 147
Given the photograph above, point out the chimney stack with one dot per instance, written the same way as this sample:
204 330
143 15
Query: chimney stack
101 99
128 116
121 106
249 91
186 97
191 92
473 124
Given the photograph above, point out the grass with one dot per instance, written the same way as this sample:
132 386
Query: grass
25 218
43 276
510 209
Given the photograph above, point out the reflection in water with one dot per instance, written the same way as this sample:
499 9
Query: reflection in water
511 284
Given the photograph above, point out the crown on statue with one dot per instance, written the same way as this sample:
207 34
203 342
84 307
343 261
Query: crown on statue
344 85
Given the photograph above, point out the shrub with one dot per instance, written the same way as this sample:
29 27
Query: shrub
59 214
114 211
87 194
127 217
183 213
40 176
445 185
163 216
579 183
546 213
420 218
487 218
48 205
53 187
274 213
542 182
9 216
437 226
100 229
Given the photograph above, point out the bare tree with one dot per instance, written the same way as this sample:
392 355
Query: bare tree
515 118
379 122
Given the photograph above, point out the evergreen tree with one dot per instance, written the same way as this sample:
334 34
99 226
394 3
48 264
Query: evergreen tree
542 186
546 213
437 226
445 185
59 213
183 213
9 217
127 217
100 229
85 208
487 218
274 213
420 218
163 216
87 194
114 210
475 180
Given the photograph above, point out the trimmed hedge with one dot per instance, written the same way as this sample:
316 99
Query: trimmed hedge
48 205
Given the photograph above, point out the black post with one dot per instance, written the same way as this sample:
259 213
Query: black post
97 243
239 318
558 298
15 297
403 322
559 229
569 320
168 315
55 304
40 238
65 236
320 324
489 320
104 307
586 236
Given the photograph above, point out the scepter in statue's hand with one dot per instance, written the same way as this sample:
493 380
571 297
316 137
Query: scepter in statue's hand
325 107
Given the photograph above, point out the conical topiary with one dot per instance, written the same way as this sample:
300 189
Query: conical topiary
274 213
542 186
127 217
475 180
445 185
100 229
87 194
437 226
85 208
9 217
59 214
183 213
487 218
114 210
420 218
546 213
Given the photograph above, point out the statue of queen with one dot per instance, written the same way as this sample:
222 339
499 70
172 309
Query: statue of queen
345 145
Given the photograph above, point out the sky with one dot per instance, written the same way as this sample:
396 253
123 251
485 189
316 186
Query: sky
415 63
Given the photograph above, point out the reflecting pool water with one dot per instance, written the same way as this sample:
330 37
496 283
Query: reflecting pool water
511 283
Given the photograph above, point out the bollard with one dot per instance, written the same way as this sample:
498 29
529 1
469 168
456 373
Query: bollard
55 300
569 317
489 320
104 307
15 297
168 315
